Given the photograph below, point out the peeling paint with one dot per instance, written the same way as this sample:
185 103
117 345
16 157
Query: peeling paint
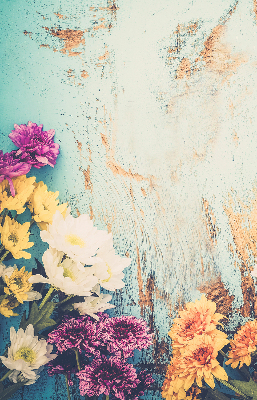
72 39
216 291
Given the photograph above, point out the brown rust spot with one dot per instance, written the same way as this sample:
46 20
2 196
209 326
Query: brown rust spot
72 39
100 26
91 213
143 191
184 69
84 74
255 9
243 229
105 55
28 33
216 291
60 16
88 183
210 222
45 45
217 55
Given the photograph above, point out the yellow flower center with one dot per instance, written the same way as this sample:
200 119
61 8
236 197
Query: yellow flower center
67 273
18 282
109 272
75 240
26 354
13 238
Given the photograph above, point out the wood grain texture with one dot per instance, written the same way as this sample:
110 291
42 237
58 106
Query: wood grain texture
154 107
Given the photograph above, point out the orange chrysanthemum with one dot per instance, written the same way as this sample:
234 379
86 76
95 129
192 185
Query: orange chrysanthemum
198 318
243 344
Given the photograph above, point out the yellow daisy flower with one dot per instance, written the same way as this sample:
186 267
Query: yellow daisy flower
7 305
43 204
23 188
18 284
15 237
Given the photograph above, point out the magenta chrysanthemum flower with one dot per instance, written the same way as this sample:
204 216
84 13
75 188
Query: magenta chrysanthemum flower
36 147
107 376
10 167
145 381
125 334
80 333
64 363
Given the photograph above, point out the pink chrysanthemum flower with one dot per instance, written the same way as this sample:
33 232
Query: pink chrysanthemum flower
80 333
36 147
145 381
108 376
11 167
64 363
125 334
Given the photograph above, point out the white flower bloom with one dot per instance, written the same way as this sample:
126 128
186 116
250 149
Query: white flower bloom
17 376
26 353
94 304
68 276
8 271
76 237
110 266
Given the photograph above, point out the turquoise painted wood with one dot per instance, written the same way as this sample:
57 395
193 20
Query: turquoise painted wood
154 107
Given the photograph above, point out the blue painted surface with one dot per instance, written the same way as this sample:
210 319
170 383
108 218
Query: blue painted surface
144 136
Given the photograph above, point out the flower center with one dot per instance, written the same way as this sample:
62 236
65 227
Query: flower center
75 240
67 273
109 272
13 238
26 354
203 355
18 282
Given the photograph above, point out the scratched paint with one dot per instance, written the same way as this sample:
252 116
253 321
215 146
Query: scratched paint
154 106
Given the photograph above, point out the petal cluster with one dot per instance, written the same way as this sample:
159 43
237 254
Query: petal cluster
27 353
11 166
36 147
15 238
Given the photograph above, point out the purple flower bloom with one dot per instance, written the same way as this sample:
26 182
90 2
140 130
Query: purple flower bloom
64 363
107 376
145 381
36 147
81 333
10 167
125 334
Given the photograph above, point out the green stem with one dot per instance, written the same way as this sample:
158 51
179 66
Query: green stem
50 291
6 375
223 354
4 213
5 254
67 298
77 358
67 386
225 383
107 397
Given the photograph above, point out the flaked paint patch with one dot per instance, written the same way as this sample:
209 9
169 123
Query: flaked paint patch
28 33
84 74
255 9
210 222
72 39
105 55
86 172
115 167
217 54
216 291
60 16
243 229
184 69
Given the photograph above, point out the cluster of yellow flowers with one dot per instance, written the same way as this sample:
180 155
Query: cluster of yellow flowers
196 342
14 236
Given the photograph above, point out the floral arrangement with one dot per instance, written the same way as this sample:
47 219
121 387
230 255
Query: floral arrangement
204 357
65 328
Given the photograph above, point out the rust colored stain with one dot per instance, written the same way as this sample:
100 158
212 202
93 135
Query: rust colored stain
243 230
60 16
184 69
84 74
105 55
72 39
27 33
143 191
210 222
216 291
100 26
45 45
88 183
115 167
255 8
217 55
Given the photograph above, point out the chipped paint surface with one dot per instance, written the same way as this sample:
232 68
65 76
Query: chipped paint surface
154 106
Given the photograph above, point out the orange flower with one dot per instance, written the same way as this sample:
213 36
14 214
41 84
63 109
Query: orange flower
198 318
243 344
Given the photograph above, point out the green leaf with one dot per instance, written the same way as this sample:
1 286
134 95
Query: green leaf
213 394
248 388
40 319
44 323
8 392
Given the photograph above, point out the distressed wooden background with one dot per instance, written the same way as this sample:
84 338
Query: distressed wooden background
154 107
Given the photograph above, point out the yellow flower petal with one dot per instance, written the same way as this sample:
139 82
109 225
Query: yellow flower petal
15 237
